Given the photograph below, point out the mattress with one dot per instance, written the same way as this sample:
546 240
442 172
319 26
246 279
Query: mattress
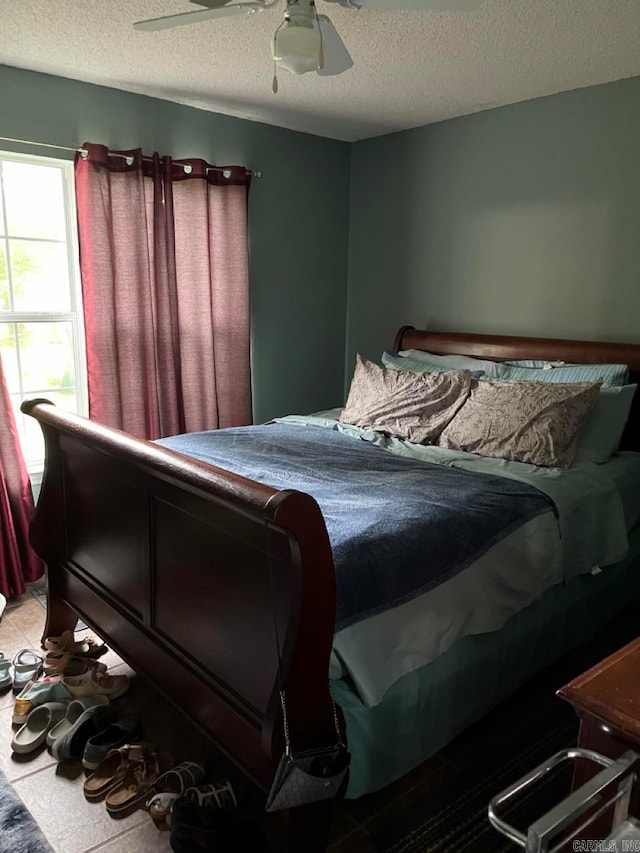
596 504
429 706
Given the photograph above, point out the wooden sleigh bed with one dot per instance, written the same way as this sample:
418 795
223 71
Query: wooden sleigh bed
184 569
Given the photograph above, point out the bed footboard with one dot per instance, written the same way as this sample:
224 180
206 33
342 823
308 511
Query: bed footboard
186 570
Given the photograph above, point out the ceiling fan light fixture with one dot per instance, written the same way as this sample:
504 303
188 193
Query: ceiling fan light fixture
297 46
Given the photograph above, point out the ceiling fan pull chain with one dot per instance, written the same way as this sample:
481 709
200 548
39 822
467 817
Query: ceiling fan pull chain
274 82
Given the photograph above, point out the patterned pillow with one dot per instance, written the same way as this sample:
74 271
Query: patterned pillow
414 406
531 422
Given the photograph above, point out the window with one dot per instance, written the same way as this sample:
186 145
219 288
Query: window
41 330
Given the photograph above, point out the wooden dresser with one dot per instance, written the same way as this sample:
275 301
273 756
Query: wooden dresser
607 701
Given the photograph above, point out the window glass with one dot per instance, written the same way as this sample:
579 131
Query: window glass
30 433
9 355
29 429
46 356
34 200
39 276
41 342
5 299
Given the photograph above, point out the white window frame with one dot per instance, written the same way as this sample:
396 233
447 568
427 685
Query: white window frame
74 316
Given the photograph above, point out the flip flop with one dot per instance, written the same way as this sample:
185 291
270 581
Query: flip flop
5 678
27 666
136 784
34 732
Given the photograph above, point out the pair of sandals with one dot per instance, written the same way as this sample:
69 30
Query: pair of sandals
68 656
65 656
126 777
27 666
182 783
87 647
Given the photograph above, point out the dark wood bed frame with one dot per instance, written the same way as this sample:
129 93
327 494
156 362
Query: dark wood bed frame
185 569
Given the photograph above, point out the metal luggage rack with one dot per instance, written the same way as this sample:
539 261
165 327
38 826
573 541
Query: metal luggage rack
559 829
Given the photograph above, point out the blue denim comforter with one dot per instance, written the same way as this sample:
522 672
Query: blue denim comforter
398 527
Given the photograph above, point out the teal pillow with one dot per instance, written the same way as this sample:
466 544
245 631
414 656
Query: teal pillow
611 374
602 431
426 362
533 362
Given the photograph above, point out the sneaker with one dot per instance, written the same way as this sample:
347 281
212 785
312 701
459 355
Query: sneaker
96 683
70 747
117 734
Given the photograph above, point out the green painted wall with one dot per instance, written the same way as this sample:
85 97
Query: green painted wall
522 220
298 217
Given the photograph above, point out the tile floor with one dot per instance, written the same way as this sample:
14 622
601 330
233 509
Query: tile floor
372 824
53 793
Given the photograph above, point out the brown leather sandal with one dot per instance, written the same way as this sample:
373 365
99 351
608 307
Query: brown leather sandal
137 783
112 769
87 647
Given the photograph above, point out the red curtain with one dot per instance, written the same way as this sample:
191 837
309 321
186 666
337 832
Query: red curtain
165 283
18 563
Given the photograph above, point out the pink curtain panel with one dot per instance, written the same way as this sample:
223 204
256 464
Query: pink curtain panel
18 563
165 284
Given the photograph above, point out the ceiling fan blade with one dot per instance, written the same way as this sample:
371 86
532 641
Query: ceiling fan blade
421 5
198 16
336 56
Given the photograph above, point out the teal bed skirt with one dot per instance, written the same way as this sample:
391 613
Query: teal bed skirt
427 708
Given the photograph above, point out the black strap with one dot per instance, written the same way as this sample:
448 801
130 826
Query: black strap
281 690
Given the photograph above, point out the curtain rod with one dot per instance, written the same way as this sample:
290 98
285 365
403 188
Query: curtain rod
84 153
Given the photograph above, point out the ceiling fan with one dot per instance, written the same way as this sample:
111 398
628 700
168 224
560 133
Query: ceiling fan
304 41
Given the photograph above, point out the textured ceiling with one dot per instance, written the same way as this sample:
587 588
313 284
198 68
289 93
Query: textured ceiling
411 68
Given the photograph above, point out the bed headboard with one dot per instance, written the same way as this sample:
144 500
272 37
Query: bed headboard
507 348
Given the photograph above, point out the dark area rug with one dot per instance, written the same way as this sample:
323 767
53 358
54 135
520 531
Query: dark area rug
456 818
39 591
19 833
